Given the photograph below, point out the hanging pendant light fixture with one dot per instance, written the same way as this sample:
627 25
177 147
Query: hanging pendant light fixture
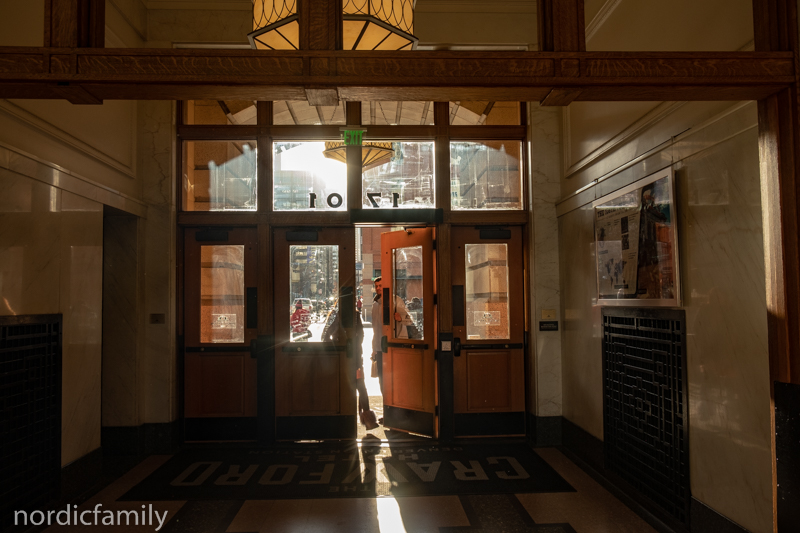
373 154
378 25
367 25
275 25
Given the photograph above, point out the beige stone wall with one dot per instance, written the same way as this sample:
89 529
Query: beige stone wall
724 296
51 261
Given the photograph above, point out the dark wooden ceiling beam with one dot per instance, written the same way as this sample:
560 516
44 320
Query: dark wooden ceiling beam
142 74
562 29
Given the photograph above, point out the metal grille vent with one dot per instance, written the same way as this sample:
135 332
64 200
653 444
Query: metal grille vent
645 405
30 403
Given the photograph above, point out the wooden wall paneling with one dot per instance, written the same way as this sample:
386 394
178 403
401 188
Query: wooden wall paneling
444 281
265 281
441 121
264 111
777 145
304 218
779 141
531 320
304 133
354 179
265 195
489 217
208 132
205 218
775 29
264 189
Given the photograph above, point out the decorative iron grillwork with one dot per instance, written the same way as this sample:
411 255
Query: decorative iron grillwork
645 405
30 425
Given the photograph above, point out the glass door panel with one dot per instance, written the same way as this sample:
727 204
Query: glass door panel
221 293
313 291
407 292
486 288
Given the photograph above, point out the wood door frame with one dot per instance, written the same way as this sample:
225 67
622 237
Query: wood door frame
490 422
338 423
407 418
200 420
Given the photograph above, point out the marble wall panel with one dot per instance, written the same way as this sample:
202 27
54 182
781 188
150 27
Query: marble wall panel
121 315
156 164
156 156
160 380
546 172
582 364
81 273
722 254
29 245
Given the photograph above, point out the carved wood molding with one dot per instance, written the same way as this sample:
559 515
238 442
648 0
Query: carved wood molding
107 74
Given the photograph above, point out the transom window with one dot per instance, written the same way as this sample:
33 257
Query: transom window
290 156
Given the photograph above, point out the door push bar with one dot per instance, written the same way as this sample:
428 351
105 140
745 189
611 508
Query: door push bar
457 347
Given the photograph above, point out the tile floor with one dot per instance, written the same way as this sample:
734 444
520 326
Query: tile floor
591 509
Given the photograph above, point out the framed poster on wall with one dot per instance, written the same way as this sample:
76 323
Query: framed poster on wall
636 244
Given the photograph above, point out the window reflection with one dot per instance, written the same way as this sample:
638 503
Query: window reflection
407 179
300 170
407 288
219 176
222 293
485 175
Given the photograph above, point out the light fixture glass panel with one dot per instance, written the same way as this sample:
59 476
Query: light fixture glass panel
398 13
275 25
219 176
486 175
284 37
305 180
406 180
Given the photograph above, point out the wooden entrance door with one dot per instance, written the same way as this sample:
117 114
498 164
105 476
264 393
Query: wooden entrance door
409 341
220 295
316 335
488 331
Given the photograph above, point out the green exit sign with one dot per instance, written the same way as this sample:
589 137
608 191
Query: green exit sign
352 137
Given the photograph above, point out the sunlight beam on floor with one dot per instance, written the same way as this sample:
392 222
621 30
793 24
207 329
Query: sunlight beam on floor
389 518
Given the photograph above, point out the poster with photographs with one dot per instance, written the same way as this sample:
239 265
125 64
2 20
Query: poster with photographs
636 244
